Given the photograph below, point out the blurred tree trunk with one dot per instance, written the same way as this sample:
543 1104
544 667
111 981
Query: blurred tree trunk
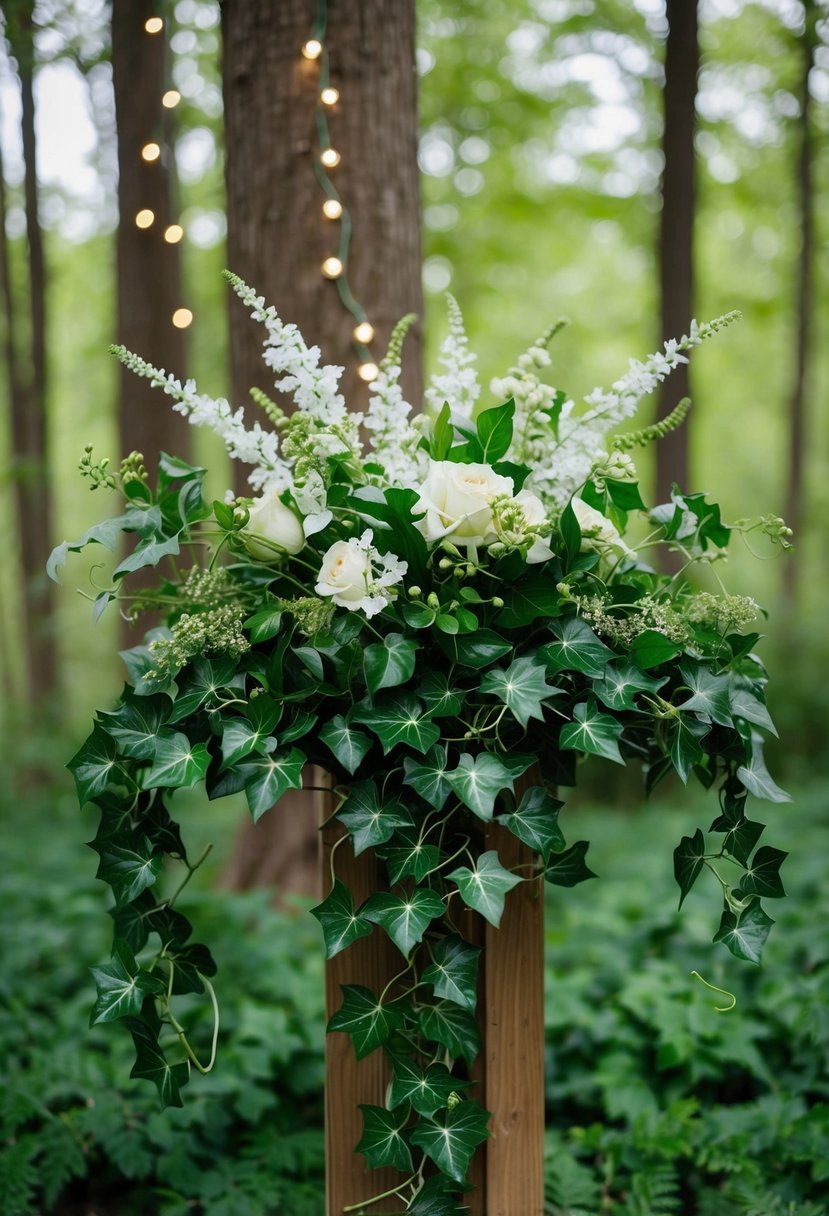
149 267
278 239
676 235
804 303
28 394
13 396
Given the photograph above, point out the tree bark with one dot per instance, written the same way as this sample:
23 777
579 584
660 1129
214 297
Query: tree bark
676 235
278 239
149 267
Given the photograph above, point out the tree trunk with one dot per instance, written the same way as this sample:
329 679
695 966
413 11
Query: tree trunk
676 236
803 308
278 237
149 270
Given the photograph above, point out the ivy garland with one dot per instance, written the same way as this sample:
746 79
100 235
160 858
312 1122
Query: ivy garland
460 691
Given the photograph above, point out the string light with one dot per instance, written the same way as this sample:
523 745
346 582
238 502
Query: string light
330 158
173 234
150 152
329 96
368 372
182 317
332 268
145 218
332 208
154 25
364 332
312 49
171 99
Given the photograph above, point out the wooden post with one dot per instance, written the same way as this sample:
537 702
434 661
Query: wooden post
508 1170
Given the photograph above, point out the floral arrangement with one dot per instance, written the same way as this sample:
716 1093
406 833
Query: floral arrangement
446 612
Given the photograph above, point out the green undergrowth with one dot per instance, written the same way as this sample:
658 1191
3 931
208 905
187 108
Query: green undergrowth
657 1102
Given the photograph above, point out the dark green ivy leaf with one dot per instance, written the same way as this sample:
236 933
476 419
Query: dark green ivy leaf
402 720
268 777
757 780
151 1064
92 766
453 972
365 1019
685 734
762 876
740 836
370 820
592 731
129 862
688 861
341 925
122 986
569 868
136 723
407 856
451 1139
349 745
535 821
621 682
478 780
382 1141
745 933
531 597
709 693
521 687
577 648
484 887
428 776
453 1027
177 762
389 663
436 1198
405 918
650 648
425 1089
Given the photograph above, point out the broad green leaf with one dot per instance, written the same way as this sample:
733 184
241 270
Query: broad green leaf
761 876
94 765
177 762
576 648
270 776
709 693
407 856
147 553
163 831
426 1090
625 495
341 925
688 862
484 887
311 660
453 972
129 862
649 649
349 745
745 934
535 821
453 1027
136 723
443 434
405 918
521 687
240 738
747 702
417 615
428 776
390 662
685 733
264 624
300 724
621 682
200 683
532 597
453 1137
478 780
151 1064
439 697
477 649
436 1198
570 530
755 777
494 427
569 868
740 836
403 720
592 731
382 1141
370 820
122 986
365 1019
106 533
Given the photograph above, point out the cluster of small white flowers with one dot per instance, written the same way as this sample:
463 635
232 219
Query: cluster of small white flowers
534 419
394 440
459 384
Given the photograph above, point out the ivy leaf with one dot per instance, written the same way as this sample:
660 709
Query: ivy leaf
369 820
684 746
151 1064
268 777
122 986
709 693
92 766
440 699
129 862
477 649
426 1090
428 776
757 780
451 1139
400 721
453 972
404 917
569 868
177 762
740 837
436 1198
650 649
761 876
106 533
300 724
240 738
341 925
747 702
688 862
522 688
350 746
535 821
621 682
577 648
531 597
745 934
365 1019
136 723
147 553
478 780
453 1028
592 731
390 662
382 1141
409 857
484 888
201 681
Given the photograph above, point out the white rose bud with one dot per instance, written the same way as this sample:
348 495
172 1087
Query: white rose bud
596 529
456 499
535 514
272 528
345 574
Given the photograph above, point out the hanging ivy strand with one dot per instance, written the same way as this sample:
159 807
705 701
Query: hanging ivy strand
446 618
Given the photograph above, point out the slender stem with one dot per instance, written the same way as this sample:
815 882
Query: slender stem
190 872
395 1190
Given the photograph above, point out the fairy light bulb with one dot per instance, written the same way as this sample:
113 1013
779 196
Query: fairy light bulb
332 268
363 332
368 372
330 96
312 49
182 317
330 158
150 152
154 25
171 99
332 209
145 218
173 234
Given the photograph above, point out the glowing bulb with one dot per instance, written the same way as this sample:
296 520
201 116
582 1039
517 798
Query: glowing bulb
154 25
368 371
330 158
145 218
332 209
332 268
330 96
150 152
182 317
312 48
173 234
364 332
171 99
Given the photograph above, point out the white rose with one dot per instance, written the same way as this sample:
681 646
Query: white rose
272 528
456 499
535 514
345 574
596 529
